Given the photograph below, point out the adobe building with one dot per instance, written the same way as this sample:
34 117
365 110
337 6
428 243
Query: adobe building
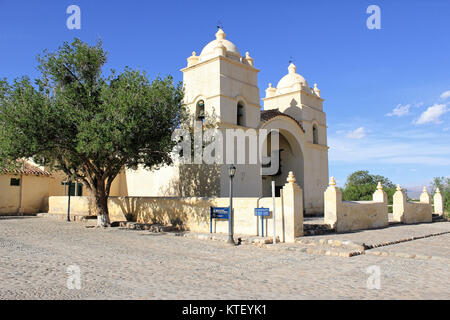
223 83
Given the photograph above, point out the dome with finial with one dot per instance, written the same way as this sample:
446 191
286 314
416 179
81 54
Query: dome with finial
220 40
292 81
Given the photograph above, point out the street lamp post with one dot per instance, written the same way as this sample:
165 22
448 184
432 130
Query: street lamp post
231 173
68 201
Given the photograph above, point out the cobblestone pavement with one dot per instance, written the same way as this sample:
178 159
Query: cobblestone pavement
122 264
391 233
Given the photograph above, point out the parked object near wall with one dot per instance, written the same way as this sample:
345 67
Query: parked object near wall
193 213
355 215
438 202
412 212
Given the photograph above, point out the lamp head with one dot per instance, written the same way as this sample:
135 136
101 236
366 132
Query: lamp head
232 171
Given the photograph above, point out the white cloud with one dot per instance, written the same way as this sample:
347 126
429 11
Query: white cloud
400 111
357 134
445 95
432 114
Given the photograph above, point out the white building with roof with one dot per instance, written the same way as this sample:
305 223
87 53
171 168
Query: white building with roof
223 83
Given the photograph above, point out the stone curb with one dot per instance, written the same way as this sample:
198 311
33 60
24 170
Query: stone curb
224 237
332 243
389 243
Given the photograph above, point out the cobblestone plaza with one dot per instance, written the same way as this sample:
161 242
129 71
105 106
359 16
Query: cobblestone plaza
115 263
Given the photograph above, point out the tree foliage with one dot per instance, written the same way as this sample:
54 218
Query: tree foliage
361 185
91 126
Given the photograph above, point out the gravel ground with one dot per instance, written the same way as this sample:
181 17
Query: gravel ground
121 264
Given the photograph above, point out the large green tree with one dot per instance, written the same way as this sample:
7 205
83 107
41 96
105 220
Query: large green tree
76 119
361 185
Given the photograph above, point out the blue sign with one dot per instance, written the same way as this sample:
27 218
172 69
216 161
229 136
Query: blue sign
262 212
218 213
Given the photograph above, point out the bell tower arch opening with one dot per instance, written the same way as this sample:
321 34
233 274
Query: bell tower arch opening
290 159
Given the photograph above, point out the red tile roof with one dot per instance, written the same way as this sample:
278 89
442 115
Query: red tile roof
25 168
266 115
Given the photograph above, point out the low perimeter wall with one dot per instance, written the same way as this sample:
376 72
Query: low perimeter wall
355 215
194 213
412 212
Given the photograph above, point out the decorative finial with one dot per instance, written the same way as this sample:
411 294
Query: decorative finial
399 188
219 25
270 85
220 35
291 178
291 60
379 186
437 190
316 90
193 53
425 189
332 181
247 54
292 68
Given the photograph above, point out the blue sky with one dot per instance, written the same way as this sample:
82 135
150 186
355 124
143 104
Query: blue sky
384 90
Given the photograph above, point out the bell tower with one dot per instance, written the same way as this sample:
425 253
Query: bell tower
221 83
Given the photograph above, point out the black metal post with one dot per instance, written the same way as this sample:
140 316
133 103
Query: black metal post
68 201
230 215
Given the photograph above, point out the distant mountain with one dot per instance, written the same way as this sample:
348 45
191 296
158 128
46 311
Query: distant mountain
414 192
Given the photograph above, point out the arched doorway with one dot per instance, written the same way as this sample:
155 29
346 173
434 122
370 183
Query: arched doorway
291 156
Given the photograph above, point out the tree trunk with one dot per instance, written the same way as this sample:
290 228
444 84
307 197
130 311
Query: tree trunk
101 206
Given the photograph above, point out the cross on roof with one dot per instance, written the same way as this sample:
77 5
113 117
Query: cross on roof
219 25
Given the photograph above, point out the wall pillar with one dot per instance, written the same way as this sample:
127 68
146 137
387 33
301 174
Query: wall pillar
425 196
293 209
332 203
380 195
438 202
399 205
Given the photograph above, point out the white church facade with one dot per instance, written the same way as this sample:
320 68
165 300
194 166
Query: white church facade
223 83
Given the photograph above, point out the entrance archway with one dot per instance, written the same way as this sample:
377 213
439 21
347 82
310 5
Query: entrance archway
291 154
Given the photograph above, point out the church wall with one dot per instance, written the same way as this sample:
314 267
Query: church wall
143 182
316 178
294 105
246 183
311 101
239 83
202 82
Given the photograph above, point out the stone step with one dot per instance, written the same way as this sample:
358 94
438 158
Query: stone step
437 218
317 229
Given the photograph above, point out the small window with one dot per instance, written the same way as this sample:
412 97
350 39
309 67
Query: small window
15 182
240 114
200 110
78 187
315 134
